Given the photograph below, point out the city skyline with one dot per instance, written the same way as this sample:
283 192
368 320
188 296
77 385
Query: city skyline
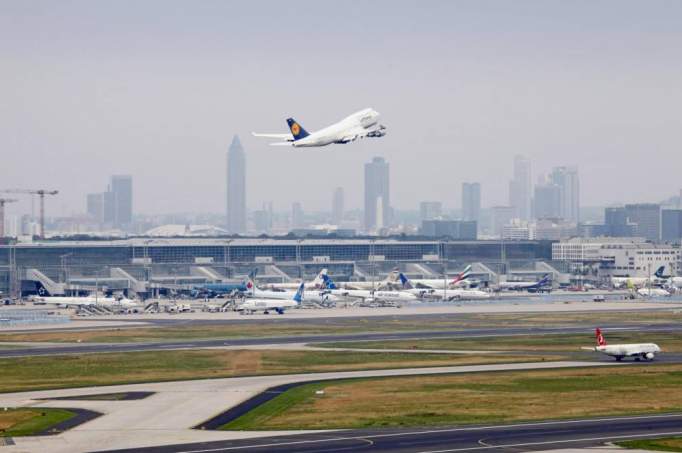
560 86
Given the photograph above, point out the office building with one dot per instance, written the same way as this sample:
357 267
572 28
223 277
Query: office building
569 186
471 201
547 201
337 206
616 223
95 206
236 188
121 188
453 229
519 188
671 225
501 216
297 215
647 218
377 195
429 210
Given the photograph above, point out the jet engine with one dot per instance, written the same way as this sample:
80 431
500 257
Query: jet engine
649 356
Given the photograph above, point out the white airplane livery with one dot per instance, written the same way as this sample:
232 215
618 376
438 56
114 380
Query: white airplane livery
638 351
267 305
364 123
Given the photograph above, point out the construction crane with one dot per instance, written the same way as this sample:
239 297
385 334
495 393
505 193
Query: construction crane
41 193
3 201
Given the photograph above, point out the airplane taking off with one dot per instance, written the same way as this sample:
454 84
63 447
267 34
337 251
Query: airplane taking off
364 123
639 351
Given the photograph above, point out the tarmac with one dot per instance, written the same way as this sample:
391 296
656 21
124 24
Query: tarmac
168 416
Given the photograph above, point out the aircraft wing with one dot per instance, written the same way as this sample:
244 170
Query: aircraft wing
281 144
287 137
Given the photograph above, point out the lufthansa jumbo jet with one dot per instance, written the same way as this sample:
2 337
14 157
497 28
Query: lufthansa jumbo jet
364 123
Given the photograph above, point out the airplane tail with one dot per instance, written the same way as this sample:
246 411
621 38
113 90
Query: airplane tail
298 297
659 272
405 281
319 279
328 282
296 129
600 338
462 275
545 280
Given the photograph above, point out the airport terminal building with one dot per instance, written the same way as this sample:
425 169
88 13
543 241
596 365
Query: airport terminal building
129 263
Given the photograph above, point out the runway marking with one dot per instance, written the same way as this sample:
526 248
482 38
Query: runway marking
550 442
474 428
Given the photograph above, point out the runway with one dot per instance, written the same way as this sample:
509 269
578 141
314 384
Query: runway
80 348
513 437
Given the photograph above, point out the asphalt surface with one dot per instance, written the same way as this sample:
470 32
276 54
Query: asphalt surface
450 333
513 437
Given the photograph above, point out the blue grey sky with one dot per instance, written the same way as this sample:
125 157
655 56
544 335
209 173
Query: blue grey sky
157 89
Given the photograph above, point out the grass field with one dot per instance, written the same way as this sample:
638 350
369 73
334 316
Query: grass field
30 421
668 444
47 372
471 398
669 342
283 327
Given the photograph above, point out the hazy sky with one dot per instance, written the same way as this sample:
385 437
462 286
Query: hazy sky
157 89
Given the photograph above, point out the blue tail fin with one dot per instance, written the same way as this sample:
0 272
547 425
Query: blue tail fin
298 297
328 282
659 272
296 129
404 281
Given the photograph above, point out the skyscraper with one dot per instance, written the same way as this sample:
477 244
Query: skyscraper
671 225
616 223
297 216
519 187
429 210
377 197
547 201
502 216
236 187
337 206
122 189
569 186
471 201
647 217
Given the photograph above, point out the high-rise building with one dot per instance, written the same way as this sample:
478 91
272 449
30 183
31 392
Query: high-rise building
455 229
616 223
109 207
671 225
569 185
236 187
337 206
429 210
377 196
519 188
297 215
547 201
122 189
471 201
95 206
501 216
647 217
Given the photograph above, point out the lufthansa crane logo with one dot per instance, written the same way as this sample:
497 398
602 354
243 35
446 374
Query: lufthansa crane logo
295 129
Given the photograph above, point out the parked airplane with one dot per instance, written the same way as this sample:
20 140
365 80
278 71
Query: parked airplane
526 286
277 305
445 293
369 295
219 289
668 279
320 296
439 283
638 282
364 123
122 302
653 292
317 283
646 351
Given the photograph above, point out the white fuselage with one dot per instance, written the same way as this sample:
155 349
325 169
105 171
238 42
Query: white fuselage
358 125
89 300
461 294
638 350
396 296
310 296
653 292
266 305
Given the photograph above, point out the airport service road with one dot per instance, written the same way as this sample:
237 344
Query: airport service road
168 416
468 333
515 437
